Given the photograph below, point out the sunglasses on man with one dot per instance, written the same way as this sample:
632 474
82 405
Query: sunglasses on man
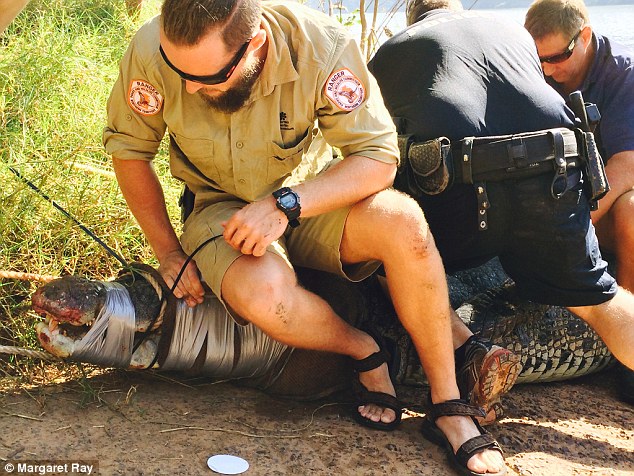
220 77
561 57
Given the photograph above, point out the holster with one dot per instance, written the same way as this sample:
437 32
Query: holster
426 167
597 180
186 203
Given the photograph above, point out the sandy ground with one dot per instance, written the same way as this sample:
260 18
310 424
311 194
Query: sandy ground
135 423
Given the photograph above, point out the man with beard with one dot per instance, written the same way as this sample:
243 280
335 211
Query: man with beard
254 97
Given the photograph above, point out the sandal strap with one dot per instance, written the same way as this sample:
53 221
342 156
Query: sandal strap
364 396
475 445
457 407
371 362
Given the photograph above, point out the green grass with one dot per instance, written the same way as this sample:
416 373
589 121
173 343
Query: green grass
58 61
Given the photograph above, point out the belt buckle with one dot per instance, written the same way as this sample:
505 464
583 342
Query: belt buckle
516 152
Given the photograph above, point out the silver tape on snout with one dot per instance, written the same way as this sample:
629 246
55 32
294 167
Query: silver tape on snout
110 339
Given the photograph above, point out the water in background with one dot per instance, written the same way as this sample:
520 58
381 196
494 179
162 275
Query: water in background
614 21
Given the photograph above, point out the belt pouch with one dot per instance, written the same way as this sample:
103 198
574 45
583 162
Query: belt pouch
429 166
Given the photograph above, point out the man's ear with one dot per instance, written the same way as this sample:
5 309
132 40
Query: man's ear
259 39
586 36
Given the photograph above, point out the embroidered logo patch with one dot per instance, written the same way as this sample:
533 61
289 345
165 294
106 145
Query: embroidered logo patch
144 98
345 90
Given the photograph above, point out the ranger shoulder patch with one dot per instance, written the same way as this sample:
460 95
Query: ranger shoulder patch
144 98
345 90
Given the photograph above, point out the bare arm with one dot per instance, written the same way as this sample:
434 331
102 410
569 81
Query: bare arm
9 9
144 195
620 172
260 223
347 183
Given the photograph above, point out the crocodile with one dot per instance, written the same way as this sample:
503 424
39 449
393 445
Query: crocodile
552 343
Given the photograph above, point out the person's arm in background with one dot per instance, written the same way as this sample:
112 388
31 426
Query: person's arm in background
9 9
620 172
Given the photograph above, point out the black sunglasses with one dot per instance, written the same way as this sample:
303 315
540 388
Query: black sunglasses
561 57
220 77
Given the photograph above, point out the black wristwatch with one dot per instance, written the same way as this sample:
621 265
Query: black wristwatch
288 201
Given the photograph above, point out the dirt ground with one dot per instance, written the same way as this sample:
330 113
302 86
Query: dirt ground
136 423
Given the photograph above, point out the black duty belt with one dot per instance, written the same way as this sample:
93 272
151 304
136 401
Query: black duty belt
476 160
494 158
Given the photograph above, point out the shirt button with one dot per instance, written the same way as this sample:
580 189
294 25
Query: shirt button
128 117
239 144
242 181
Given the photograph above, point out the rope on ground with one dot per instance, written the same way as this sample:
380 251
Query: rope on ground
26 276
34 354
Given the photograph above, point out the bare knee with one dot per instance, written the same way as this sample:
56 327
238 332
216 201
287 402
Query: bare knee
404 230
259 291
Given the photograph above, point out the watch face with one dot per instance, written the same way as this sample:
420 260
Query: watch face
288 201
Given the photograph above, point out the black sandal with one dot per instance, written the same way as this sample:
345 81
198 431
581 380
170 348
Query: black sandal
477 444
363 396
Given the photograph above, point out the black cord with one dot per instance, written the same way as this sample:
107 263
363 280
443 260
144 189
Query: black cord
110 251
190 257
145 334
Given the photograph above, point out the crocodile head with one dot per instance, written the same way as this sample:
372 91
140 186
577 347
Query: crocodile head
70 300
71 304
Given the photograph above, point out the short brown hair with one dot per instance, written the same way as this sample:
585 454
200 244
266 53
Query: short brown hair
185 22
415 8
551 17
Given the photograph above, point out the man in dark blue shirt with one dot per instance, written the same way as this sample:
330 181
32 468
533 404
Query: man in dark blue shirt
462 74
573 57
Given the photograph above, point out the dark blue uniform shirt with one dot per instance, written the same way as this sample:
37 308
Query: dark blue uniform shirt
459 74
610 85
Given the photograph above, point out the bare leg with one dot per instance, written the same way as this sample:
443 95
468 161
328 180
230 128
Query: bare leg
614 322
391 227
9 9
271 298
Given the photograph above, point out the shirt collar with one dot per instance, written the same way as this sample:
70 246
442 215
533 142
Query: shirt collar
600 51
278 66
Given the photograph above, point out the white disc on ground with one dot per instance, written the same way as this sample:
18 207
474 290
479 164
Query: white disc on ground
227 464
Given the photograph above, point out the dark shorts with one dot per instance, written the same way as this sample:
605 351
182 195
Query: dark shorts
547 246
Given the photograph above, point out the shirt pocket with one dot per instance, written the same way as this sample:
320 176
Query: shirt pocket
197 155
282 161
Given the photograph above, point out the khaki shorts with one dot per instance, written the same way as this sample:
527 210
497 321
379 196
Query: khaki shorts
314 244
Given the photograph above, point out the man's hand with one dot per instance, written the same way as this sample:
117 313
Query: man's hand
189 286
253 228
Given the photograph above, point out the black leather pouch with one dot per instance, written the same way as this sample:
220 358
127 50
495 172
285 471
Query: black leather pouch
426 167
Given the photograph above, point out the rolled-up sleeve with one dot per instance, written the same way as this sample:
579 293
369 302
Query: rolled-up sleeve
351 112
135 107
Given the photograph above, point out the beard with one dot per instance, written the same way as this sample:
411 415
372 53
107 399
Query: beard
234 98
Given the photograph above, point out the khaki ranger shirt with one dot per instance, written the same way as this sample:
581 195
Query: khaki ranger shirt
314 90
